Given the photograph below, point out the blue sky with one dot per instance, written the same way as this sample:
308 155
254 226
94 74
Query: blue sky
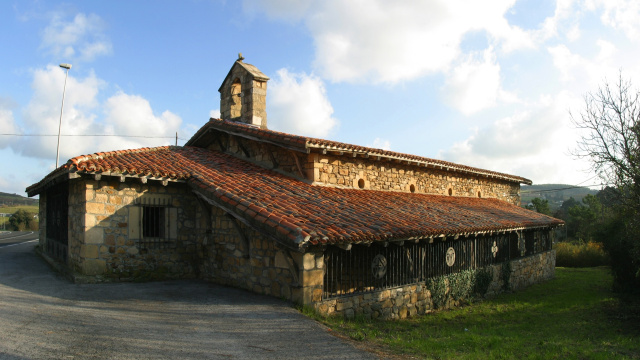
485 84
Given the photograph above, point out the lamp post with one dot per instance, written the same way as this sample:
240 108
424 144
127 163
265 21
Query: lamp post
64 66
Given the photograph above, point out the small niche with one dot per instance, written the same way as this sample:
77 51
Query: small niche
450 191
361 183
479 194
412 188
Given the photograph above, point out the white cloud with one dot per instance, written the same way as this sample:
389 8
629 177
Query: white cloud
42 114
379 143
474 84
214 114
585 73
7 124
124 114
298 103
132 115
381 41
82 38
534 142
619 14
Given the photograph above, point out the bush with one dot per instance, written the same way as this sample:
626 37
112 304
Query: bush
621 239
22 220
484 277
578 254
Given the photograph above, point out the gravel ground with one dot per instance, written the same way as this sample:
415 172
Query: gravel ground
44 316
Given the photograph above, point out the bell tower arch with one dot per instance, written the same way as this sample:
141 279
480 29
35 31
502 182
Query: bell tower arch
243 94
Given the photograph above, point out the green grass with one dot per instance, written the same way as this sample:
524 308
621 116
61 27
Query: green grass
574 316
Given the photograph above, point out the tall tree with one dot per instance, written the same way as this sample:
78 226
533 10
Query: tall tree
540 205
610 124
610 140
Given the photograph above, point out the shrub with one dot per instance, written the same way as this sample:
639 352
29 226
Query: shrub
577 254
621 239
484 277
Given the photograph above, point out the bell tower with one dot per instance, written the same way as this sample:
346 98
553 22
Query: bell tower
243 94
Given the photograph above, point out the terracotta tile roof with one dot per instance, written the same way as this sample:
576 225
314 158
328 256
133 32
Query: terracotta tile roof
305 144
302 214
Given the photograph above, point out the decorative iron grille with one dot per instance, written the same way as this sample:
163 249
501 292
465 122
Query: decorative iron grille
57 224
377 267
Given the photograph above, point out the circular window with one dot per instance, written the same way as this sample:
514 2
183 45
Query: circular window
450 257
379 266
361 183
412 188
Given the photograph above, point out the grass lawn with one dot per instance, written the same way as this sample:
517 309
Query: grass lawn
574 316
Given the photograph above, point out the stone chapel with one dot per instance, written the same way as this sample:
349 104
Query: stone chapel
345 229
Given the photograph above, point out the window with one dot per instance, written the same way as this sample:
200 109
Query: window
153 222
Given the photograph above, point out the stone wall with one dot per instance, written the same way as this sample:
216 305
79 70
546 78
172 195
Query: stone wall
42 221
346 171
102 229
243 98
415 299
366 173
264 155
239 256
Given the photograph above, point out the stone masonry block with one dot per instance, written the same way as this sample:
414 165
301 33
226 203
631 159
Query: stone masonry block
281 261
89 251
313 278
309 261
95 208
94 235
94 267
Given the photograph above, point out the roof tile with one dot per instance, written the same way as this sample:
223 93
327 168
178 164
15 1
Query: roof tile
294 209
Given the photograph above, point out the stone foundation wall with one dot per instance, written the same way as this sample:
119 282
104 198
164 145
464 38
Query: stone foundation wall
101 224
239 256
415 299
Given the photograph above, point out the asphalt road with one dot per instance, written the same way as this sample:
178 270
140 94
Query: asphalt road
11 238
44 316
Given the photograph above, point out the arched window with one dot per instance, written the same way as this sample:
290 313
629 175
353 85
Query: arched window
236 99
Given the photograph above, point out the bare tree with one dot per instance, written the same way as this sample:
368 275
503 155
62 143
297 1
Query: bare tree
611 137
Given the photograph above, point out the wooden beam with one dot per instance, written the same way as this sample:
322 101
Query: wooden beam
246 251
221 145
298 165
274 162
242 147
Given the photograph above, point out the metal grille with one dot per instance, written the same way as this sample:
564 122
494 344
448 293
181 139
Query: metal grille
377 267
57 212
155 227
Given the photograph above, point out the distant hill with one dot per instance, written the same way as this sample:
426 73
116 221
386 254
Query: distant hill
554 193
15 199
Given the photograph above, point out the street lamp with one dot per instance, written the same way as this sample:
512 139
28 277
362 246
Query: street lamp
64 66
